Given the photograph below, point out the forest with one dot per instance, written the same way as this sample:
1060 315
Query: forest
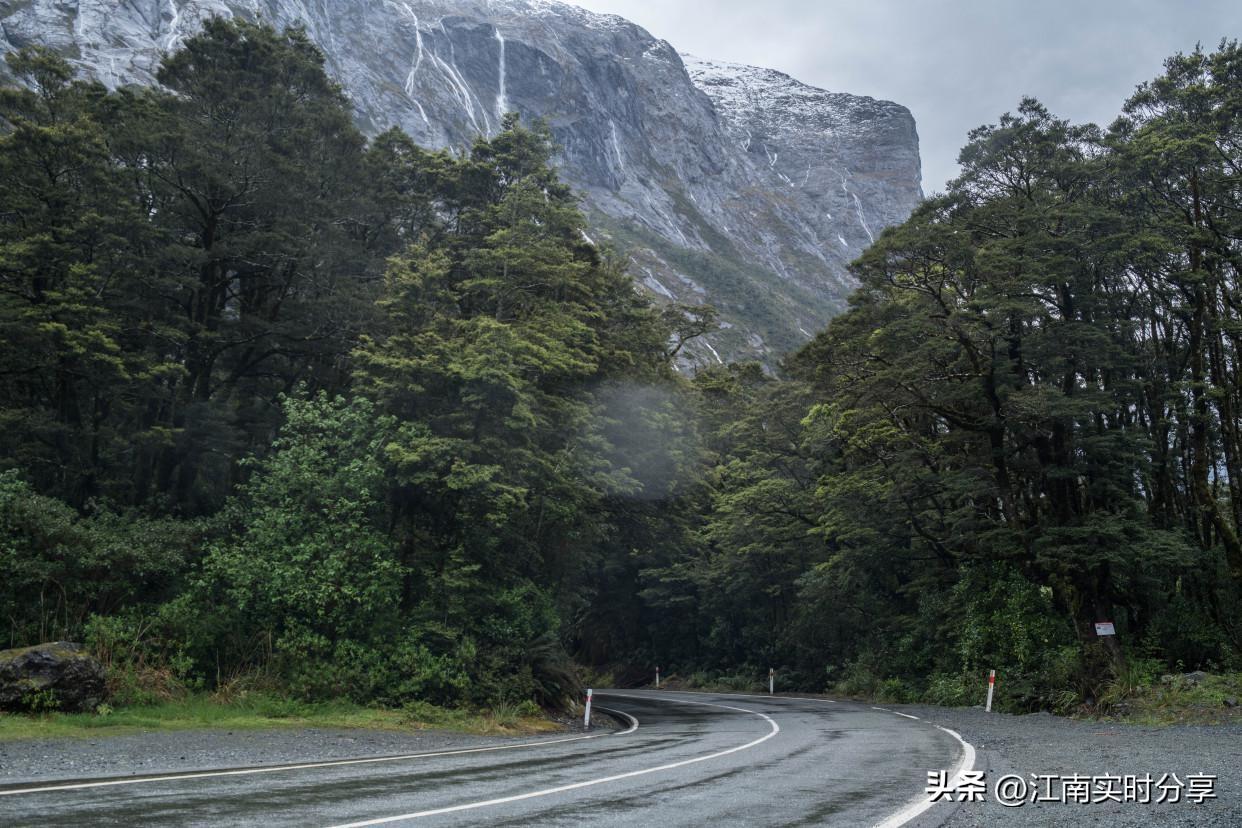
332 416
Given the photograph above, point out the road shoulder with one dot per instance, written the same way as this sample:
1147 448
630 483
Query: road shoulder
161 752
1043 744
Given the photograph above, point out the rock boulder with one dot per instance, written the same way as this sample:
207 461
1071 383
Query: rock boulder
56 676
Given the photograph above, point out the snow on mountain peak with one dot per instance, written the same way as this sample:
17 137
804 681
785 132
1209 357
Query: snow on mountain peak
727 184
741 90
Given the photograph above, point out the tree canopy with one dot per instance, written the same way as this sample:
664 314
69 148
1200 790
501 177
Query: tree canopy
280 402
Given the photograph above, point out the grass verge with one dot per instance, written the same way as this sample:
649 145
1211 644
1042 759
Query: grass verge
1211 699
261 711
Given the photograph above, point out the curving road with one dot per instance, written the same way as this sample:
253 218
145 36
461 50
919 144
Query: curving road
682 759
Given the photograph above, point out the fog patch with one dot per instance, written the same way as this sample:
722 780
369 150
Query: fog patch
646 435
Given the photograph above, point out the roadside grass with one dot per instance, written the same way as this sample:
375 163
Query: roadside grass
715 683
1142 696
1215 699
258 711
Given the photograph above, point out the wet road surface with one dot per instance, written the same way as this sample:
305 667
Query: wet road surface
683 759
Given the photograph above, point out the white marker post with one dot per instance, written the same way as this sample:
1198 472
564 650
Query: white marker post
771 680
657 678
586 716
991 687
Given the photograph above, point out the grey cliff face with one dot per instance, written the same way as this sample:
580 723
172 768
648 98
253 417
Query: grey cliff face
730 185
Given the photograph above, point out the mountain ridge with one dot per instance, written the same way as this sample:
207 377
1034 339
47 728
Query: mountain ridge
732 185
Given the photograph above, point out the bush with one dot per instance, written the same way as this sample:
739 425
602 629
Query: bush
60 567
141 668
301 578
954 690
1130 679
1011 625
859 678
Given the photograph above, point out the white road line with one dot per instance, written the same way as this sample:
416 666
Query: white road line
469 806
924 802
919 805
905 815
334 763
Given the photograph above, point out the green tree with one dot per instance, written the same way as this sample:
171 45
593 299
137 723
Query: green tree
60 567
505 337
251 164
303 577
71 239
1177 155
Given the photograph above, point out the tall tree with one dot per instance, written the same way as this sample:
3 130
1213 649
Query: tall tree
71 238
1178 152
502 330
985 385
252 167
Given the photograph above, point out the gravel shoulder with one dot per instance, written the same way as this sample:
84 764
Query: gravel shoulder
1046 744
1023 745
157 752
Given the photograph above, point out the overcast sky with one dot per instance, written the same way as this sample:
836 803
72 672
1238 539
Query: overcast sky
955 63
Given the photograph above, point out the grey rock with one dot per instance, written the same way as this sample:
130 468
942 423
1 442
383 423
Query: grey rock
1230 701
728 185
1194 678
59 676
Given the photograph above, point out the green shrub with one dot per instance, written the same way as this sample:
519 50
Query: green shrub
859 678
954 690
142 667
1012 626
61 567
1130 679
41 701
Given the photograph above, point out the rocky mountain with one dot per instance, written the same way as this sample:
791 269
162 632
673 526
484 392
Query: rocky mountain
731 185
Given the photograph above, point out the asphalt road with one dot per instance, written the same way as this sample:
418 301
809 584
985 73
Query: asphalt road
682 759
